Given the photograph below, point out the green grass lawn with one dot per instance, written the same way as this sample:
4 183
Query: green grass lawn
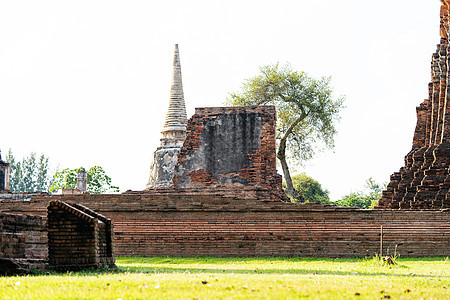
242 278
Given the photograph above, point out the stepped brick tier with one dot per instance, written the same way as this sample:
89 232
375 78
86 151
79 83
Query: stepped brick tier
173 134
249 222
232 147
424 181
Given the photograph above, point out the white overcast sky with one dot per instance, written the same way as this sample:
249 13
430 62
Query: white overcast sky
87 82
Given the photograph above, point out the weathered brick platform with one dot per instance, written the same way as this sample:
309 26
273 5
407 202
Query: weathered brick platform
424 181
23 243
69 237
195 222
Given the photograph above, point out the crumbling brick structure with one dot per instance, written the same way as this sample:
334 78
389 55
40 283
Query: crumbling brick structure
23 243
424 181
249 222
74 238
226 202
78 237
232 147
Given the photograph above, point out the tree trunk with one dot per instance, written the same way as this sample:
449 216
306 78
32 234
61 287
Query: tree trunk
281 155
290 191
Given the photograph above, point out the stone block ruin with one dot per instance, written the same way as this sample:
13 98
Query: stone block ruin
424 181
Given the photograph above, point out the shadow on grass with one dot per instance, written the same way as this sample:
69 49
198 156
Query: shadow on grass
269 271
267 259
169 265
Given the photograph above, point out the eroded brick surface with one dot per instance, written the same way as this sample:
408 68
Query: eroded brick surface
424 181
230 146
72 237
249 222
78 237
23 243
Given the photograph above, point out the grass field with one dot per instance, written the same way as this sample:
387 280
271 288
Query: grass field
242 278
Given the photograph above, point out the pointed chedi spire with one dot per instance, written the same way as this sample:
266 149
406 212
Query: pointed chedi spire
173 134
176 113
176 119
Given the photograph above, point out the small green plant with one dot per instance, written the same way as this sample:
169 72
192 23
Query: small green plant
386 259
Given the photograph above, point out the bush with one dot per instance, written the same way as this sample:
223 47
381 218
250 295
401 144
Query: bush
309 189
367 199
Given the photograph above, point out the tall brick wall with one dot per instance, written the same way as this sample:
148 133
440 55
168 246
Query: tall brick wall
248 222
424 181
230 146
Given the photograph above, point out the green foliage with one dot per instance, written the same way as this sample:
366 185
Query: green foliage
302 101
306 112
309 189
364 199
31 174
97 181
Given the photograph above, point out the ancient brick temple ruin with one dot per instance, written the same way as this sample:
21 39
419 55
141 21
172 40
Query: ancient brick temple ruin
66 237
78 237
214 190
173 134
424 181
232 147
23 243
227 201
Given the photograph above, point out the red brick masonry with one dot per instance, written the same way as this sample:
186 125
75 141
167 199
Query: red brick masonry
195 222
78 237
232 147
69 237
23 241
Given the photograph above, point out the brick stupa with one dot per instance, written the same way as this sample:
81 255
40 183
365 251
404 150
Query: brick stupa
424 181
173 134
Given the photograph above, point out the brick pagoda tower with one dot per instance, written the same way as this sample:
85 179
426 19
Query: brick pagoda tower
173 134
424 181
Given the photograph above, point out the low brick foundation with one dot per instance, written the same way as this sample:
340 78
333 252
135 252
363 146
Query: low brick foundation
69 237
197 222
23 243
